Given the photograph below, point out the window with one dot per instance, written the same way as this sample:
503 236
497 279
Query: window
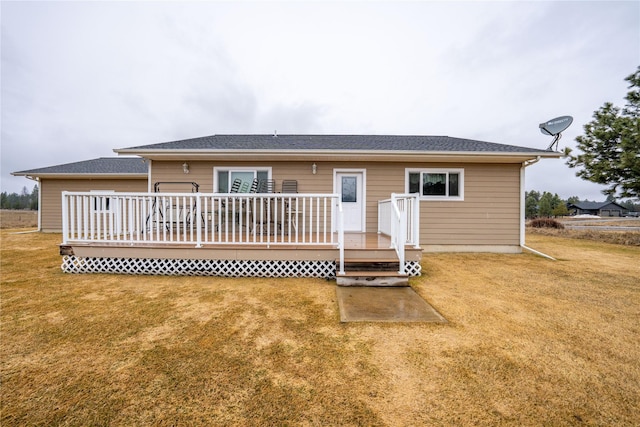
223 177
349 189
101 202
436 184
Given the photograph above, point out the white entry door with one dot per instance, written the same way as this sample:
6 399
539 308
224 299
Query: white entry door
350 186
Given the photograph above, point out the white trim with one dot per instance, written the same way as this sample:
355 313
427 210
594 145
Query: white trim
459 171
193 154
336 171
37 179
522 206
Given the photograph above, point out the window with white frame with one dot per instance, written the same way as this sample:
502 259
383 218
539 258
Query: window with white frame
223 177
101 202
436 184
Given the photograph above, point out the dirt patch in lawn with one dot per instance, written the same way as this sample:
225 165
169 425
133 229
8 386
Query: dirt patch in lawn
529 342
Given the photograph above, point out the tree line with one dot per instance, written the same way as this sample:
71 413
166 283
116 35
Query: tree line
24 200
545 204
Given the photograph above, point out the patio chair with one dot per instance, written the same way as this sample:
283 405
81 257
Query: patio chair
254 186
290 186
235 187
267 186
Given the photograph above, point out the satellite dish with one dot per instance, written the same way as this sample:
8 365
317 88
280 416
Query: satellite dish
555 127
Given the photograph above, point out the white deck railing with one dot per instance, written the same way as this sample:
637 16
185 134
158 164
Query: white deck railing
199 218
399 218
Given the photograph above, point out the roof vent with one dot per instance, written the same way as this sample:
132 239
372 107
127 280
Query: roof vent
275 133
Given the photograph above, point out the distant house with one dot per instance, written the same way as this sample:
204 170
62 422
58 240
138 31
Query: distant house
596 208
288 205
103 174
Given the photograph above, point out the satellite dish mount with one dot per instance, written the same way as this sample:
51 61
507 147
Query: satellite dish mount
555 127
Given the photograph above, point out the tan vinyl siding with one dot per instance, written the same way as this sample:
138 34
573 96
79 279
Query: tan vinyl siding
488 215
51 189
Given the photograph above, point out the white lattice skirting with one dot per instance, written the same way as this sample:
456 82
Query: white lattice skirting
206 267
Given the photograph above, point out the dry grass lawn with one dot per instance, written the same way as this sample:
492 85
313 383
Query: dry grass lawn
629 238
530 342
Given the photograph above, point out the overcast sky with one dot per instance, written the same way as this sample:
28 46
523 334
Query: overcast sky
82 78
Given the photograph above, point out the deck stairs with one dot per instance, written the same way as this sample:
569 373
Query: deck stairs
371 267
372 272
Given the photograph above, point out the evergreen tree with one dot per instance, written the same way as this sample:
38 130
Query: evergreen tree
545 207
531 200
33 204
611 145
573 199
560 210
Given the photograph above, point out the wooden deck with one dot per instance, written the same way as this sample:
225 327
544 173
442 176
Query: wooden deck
280 235
235 260
357 246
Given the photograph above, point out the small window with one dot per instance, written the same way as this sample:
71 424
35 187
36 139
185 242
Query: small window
436 184
102 203
349 189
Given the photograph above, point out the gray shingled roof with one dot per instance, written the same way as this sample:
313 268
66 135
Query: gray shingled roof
337 142
588 206
100 166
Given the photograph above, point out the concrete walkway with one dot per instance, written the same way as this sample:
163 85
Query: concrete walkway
380 304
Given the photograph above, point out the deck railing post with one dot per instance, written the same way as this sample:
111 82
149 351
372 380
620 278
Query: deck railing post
415 227
402 239
198 221
65 218
340 237
398 230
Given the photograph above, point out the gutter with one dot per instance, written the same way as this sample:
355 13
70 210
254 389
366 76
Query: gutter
198 153
526 164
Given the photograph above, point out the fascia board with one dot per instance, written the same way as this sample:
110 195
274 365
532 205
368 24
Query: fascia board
341 155
83 175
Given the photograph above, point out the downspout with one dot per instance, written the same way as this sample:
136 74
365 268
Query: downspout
39 204
37 180
522 210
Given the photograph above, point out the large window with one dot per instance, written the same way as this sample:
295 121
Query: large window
436 184
223 177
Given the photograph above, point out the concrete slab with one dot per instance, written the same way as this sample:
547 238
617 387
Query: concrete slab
375 304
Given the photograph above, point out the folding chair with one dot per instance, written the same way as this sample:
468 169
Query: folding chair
267 186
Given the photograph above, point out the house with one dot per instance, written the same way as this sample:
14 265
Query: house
596 208
301 205
104 174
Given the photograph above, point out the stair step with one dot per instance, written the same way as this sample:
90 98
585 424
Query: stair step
372 278
365 260
373 265
370 273
369 279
